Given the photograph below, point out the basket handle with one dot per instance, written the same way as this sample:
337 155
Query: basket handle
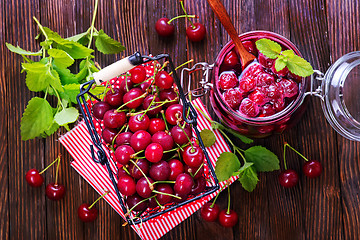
117 68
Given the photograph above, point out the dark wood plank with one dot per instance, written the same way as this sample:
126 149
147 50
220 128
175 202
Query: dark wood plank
343 27
26 205
4 168
309 28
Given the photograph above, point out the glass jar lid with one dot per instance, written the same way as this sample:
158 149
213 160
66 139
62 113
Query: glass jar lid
341 95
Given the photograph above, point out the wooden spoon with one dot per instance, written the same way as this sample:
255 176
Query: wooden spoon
223 16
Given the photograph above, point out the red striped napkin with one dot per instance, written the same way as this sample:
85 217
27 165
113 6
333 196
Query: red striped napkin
78 142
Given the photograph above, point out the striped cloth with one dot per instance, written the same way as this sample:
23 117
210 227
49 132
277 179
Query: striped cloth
77 142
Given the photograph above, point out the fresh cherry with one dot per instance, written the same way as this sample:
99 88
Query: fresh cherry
126 185
154 108
138 74
228 218
100 108
156 125
133 98
183 184
134 200
210 212
114 119
143 188
195 172
139 122
181 136
126 85
164 139
154 152
164 80
176 167
108 134
87 214
55 191
123 138
163 28
33 178
288 178
199 186
312 169
196 33
231 60
174 114
160 171
114 97
140 140
164 188
123 154
142 167
169 95
193 156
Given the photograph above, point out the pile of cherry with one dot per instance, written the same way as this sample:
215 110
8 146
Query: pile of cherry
260 91
158 163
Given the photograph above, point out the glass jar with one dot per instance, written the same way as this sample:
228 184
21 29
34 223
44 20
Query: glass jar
340 101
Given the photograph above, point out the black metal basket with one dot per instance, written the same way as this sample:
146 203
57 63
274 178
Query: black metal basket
86 99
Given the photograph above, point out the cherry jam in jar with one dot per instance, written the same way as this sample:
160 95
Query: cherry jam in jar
258 101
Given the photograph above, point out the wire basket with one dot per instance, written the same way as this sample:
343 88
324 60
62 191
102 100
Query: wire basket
103 155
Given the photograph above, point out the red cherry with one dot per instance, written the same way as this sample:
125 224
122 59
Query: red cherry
196 33
183 184
33 178
154 152
247 84
250 47
249 108
126 185
123 154
55 191
140 140
164 80
87 215
199 186
174 114
282 73
100 108
210 213
265 61
123 138
312 169
288 178
129 98
228 219
108 134
114 119
258 96
163 28
290 87
176 167
139 122
156 125
193 156
231 59
164 139
114 97
228 80
138 74
233 97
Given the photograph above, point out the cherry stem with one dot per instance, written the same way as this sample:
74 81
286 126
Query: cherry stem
288 145
226 185
167 194
57 159
181 16
163 115
141 96
199 169
182 129
187 16
161 206
126 170
114 139
57 170
163 182
202 112
137 166
146 110
107 192
190 61
93 23
238 150
228 209
133 155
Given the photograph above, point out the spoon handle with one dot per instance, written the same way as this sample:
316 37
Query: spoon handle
223 16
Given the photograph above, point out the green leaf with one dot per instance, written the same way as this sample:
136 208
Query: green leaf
79 37
243 168
55 80
249 179
226 165
99 91
66 77
21 51
280 63
269 48
107 45
288 53
264 160
70 92
52 129
299 66
37 118
61 58
67 115
208 137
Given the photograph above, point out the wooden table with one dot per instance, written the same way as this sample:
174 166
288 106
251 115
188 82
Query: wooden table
322 208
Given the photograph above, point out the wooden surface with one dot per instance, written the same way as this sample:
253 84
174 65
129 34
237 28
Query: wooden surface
323 208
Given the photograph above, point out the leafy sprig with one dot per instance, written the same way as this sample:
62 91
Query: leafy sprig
52 74
287 58
253 160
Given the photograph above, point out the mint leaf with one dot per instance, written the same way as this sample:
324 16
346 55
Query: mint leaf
299 66
66 77
67 115
52 129
226 165
264 160
208 137
37 118
106 44
70 92
54 80
80 38
280 63
243 168
249 179
61 58
288 53
269 48
21 51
